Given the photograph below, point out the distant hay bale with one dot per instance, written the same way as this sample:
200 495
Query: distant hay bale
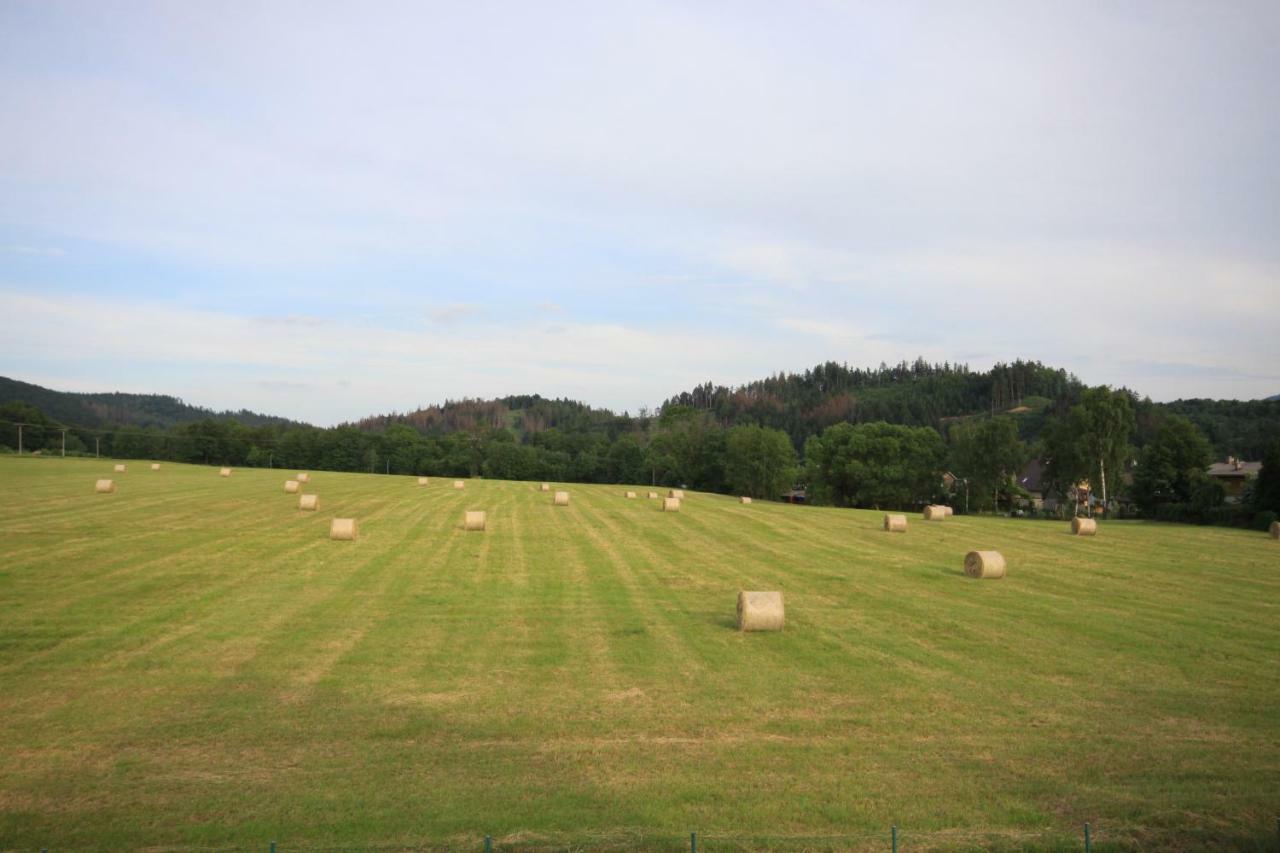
676 493
760 611
947 512
473 520
422 481
744 500
630 495
545 487
155 466
303 477
458 484
119 469
895 523
105 486
562 498
1275 530
652 495
310 503
342 528
934 512
1084 526
224 472
670 504
290 486
984 564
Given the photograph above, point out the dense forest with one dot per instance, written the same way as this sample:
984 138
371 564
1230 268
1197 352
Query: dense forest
858 437
117 409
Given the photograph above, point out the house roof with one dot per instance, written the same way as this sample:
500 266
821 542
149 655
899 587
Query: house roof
1228 470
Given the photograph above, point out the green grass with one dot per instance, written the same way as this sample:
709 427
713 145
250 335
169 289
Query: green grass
190 662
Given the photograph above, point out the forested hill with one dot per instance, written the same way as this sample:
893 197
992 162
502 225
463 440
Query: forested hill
525 414
912 394
800 404
117 409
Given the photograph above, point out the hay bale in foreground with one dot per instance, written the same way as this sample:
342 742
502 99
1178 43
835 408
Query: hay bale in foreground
473 520
155 466
1275 530
984 564
342 528
290 487
311 503
934 512
895 523
303 477
1084 526
676 493
119 469
670 504
630 495
652 495
105 486
562 498
744 500
760 611
458 484
545 487
224 472
422 481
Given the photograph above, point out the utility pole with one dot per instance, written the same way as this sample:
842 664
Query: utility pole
64 442
20 439
97 447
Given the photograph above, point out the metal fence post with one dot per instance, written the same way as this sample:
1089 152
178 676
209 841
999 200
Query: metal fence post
272 847
693 842
1088 839
488 844
894 833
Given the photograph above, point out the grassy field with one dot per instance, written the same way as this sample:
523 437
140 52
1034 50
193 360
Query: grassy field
191 662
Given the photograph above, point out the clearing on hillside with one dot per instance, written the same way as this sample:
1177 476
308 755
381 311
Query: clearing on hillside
191 662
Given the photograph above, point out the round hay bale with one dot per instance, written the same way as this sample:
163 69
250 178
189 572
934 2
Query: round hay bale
545 487
474 520
1275 530
935 513
458 484
224 472
670 504
562 498
311 503
422 481
155 466
1084 526
895 523
342 528
290 487
676 493
760 611
984 564
105 486
119 469
303 477
947 512
744 500
652 495
630 495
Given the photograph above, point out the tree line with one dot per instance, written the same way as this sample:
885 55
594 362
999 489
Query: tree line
879 438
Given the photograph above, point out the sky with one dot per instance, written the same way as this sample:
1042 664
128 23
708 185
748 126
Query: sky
330 210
